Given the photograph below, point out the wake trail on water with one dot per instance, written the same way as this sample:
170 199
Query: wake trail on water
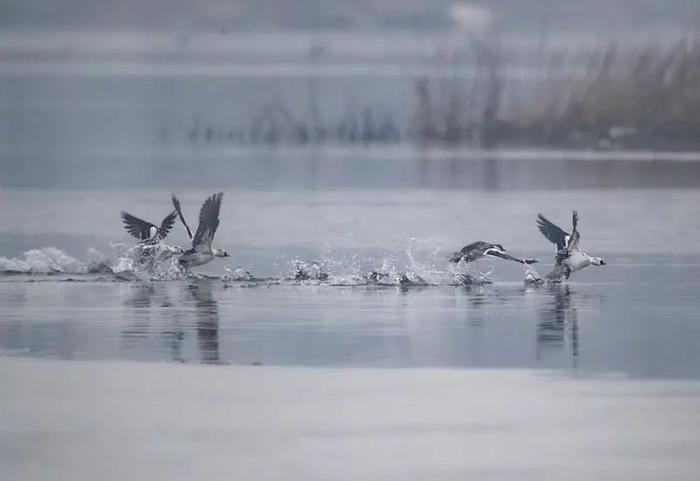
127 262
420 263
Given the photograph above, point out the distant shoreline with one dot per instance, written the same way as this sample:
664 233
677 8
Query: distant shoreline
437 151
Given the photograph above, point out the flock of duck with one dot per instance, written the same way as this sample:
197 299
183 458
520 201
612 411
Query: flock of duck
202 251
568 258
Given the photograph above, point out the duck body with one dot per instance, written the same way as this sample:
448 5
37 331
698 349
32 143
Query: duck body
576 261
192 258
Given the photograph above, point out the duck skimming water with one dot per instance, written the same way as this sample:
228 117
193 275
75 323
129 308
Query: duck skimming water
202 251
569 258
479 249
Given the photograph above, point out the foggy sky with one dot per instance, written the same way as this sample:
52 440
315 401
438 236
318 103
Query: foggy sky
195 15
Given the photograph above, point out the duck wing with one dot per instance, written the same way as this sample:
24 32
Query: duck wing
208 223
166 225
176 204
575 236
138 228
552 232
508 257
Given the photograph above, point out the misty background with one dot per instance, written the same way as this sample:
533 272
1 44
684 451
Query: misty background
190 16
332 108
170 93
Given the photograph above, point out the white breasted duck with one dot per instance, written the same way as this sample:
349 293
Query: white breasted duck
202 251
569 258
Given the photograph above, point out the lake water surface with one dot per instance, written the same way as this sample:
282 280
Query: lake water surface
270 377
636 315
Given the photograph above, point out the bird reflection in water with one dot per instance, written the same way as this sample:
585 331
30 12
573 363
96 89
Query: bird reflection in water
151 325
141 296
207 322
146 303
558 324
140 299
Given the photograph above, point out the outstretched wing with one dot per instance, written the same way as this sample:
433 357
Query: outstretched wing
208 223
176 203
554 233
166 225
508 257
575 236
138 228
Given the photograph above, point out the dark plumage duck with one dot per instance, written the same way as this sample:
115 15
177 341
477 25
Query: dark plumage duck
479 249
145 231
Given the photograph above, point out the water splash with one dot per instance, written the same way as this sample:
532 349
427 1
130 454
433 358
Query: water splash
155 262
418 262
47 260
237 275
463 274
313 270
531 276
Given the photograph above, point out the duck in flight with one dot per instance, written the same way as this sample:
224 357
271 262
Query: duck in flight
202 251
146 232
569 258
479 249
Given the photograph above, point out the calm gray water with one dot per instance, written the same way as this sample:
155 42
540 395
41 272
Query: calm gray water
637 318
